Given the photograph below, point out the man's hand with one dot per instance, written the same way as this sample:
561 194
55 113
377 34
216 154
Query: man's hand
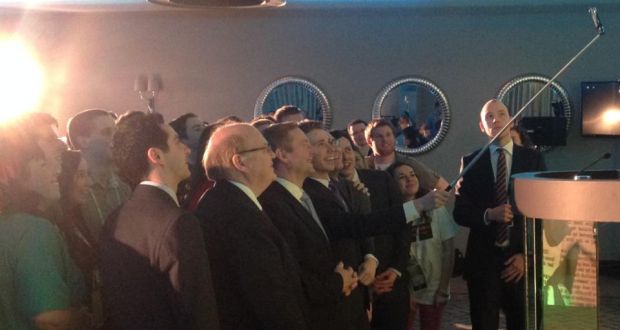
349 278
367 271
515 268
384 282
501 213
433 200
361 187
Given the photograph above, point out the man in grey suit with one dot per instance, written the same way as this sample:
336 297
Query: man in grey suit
154 266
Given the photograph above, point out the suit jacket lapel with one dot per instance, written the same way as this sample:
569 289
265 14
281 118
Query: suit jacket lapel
300 211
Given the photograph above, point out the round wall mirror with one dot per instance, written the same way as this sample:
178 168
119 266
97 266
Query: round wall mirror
419 112
298 92
547 119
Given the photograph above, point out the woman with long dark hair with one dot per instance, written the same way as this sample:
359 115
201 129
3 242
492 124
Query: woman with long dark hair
431 253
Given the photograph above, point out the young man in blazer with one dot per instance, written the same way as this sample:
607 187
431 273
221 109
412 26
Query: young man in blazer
154 266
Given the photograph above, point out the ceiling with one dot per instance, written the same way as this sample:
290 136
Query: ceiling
144 5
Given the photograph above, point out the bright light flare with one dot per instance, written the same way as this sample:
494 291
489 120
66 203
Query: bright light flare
611 116
21 79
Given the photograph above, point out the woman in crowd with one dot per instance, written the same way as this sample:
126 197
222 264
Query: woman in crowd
431 253
41 287
74 185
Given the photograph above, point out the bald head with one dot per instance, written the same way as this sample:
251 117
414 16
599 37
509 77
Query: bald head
493 117
223 144
239 152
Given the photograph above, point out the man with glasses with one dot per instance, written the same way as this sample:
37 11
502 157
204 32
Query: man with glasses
256 278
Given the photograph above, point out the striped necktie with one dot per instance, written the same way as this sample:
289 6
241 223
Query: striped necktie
501 197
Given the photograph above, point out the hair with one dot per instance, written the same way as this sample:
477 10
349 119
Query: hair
81 125
69 164
229 120
525 138
286 110
262 123
137 132
355 122
18 148
218 156
179 124
310 125
374 124
197 170
392 168
277 135
340 133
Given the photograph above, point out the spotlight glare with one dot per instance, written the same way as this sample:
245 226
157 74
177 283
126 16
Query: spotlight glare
21 79
611 116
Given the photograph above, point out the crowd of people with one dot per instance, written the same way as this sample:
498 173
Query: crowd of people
134 223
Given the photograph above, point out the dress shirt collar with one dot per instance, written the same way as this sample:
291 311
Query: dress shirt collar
324 182
163 187
248 192
508 147
292 188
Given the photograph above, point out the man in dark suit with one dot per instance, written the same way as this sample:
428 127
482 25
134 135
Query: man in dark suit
391 302
256 278
495 253
326 281
154 267
331 202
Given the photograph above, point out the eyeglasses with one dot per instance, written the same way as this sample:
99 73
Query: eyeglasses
267 147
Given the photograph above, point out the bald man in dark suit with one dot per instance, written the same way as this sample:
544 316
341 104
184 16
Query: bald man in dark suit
494 263
256 278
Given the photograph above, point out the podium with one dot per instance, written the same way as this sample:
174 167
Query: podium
561 243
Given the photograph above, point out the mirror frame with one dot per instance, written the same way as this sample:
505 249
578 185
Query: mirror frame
443 102
313 88
566 104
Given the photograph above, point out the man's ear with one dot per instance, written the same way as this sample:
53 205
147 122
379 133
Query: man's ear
281 155
153 155
239 163
481 127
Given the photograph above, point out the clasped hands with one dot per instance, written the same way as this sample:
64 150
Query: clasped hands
351 278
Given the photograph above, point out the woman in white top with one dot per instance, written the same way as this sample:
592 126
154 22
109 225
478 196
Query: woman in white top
431 253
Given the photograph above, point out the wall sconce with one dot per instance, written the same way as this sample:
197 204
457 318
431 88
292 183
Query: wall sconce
147 89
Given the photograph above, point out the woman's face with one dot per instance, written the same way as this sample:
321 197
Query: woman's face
42 178
407 181
81 184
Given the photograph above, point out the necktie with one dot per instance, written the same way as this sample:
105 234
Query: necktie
307 203
501 197
332 186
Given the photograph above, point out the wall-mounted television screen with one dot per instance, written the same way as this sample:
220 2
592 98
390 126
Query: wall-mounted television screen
600 108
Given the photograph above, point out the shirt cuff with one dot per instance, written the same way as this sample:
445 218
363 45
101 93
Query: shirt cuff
411 213
485 219
399 274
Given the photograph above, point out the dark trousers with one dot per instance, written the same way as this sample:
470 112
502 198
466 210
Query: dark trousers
391 309
489 294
